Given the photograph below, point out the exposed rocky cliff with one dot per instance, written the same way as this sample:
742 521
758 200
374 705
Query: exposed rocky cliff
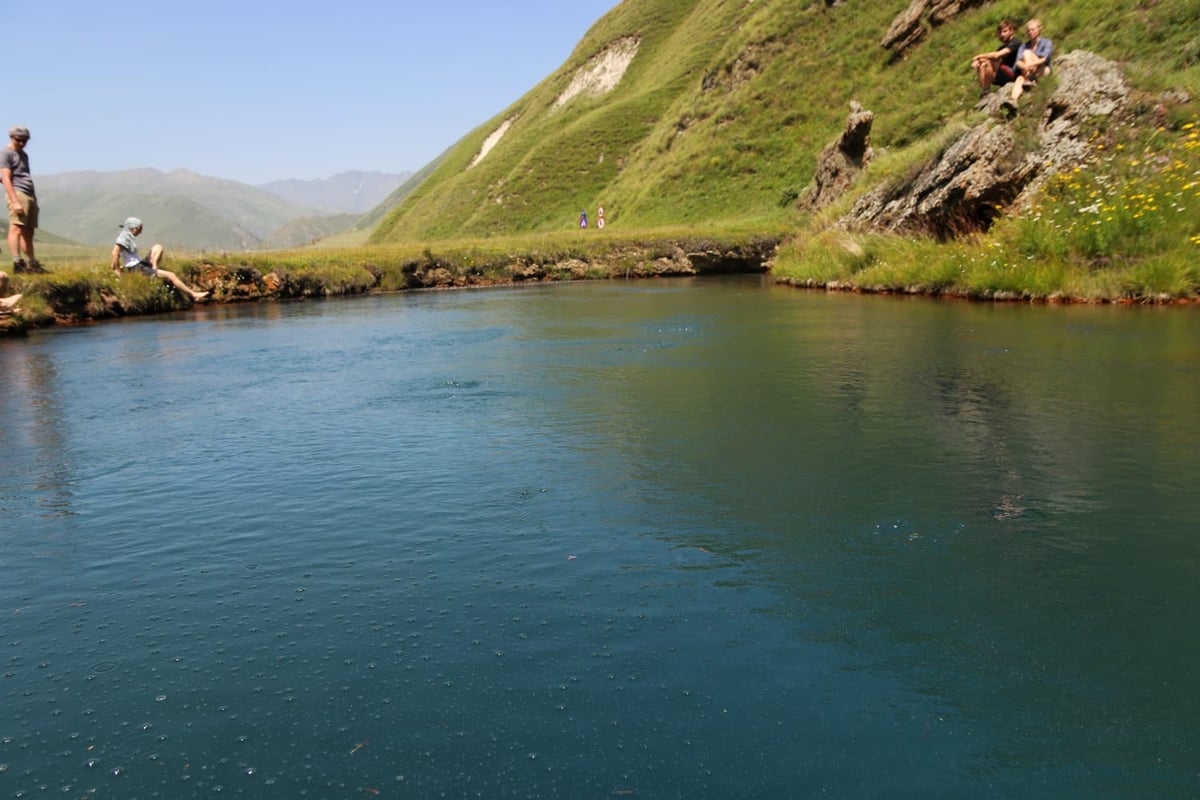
913 24
842 161
991 167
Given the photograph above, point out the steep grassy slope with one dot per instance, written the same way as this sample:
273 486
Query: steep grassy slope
373 217
727 103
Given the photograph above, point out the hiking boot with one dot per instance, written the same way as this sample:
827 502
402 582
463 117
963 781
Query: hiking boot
34 267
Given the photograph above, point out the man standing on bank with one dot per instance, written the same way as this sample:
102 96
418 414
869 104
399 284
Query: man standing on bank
22 200
125 256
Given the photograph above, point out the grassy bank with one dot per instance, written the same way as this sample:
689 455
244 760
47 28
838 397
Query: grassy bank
82 290
1123 226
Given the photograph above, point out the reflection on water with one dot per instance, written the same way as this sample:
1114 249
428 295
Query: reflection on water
34 434
669 539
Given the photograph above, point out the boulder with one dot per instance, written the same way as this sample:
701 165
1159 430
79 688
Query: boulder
842 161
959 192
908 28
980 175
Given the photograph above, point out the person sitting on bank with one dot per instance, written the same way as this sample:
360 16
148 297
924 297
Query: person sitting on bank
999 67
7 304
125 256
1033 62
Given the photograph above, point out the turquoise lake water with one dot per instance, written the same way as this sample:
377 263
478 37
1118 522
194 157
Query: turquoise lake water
676 539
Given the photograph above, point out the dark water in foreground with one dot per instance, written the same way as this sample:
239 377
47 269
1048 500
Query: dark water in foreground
659 540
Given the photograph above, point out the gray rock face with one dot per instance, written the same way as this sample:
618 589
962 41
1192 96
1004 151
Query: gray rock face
908 28
957 193
841 162
984 173
1088 86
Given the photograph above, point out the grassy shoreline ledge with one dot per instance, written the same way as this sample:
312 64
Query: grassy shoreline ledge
85 291
1035 269
1122 226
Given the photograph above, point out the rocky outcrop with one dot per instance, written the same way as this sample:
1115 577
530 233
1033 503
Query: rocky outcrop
842 161
909 27
987 170
743 69
961 191
1089 86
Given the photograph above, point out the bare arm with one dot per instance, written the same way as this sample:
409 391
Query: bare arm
992 55
116 259
9 191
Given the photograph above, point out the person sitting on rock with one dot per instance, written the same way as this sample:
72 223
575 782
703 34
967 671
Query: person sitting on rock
7 304
999 67
125 256
1033 62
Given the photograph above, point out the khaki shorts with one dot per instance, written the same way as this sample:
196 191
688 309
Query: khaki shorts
26 214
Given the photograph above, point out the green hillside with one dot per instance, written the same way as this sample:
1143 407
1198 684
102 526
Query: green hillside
373 217
307 231
723 110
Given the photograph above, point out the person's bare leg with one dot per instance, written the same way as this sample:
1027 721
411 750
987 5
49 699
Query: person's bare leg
173 279
7 303
156 254
987 74
14 240
1018 88
27 242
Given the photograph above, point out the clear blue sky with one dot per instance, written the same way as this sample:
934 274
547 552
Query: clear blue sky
261 90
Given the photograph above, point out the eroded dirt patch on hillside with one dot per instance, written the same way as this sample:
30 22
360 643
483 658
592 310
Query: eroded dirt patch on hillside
491 141
602 74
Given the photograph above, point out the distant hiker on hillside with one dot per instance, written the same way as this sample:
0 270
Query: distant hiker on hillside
125 256
22 200
1033 62
7 304
583 218
999 66
600 217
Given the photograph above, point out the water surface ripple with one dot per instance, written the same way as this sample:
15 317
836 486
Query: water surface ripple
683 539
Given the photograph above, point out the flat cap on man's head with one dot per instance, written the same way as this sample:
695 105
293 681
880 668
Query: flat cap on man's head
18 132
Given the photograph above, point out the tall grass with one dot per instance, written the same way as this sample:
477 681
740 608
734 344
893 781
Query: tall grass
1124 224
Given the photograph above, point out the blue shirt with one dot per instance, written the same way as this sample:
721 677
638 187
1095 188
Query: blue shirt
1042 49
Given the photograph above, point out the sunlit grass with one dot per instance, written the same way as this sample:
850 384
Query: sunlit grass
1124 224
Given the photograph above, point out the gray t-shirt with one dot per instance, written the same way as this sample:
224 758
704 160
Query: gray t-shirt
22 181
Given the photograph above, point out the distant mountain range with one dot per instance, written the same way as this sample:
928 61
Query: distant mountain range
344 193
183 210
